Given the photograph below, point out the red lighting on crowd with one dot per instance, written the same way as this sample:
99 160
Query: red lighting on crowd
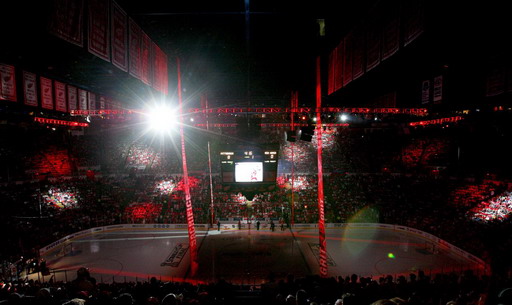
138 211
193 182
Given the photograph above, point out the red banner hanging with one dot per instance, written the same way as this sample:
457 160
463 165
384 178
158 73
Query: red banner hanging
338 76
414 19
46 93
134 48
358 64
144 59
373 42
108 103
157 81
164 74
495 83
321 215
188 202
30 89
92 100
390 32
102 102
119 39
155 55
72 98
8 83
98 29
82 99
331 72
66 20
347 59
60 96
335 80
160 81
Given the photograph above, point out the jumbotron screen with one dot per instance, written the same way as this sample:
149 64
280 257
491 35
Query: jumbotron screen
248 171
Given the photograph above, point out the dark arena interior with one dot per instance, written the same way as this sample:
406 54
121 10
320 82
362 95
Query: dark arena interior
255 152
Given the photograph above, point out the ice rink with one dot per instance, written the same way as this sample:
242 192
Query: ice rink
138 252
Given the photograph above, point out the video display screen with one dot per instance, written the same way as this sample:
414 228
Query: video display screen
248 171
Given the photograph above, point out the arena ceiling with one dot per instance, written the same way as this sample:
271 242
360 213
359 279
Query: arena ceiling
237 52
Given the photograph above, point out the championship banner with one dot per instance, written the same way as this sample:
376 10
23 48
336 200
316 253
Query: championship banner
66 20
347 59
98 42
358 54
134 38
8 83
82 99
321 216
60 96
414 19
46 92
373 42
390 33
72 98
119 37
144 60
30 89
102 102
92 100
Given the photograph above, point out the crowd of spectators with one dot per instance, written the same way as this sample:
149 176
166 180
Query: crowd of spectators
60 207
38 210
415 289
61 198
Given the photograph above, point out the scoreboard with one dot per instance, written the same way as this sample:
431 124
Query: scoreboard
247 165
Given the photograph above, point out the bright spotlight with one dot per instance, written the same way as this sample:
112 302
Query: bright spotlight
344 117
161 118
